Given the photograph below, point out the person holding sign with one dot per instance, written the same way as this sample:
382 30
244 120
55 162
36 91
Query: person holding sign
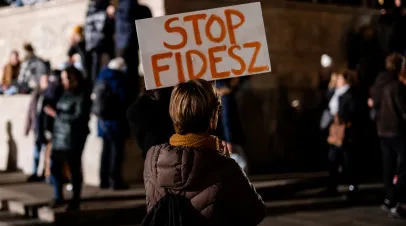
198 165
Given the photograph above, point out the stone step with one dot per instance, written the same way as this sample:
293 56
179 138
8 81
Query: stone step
29 199
26 199
7 178
369 194
132 212
10 219
96 212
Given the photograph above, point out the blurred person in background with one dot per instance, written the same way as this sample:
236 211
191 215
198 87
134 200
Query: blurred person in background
391 123
36 121
397 37
15 3
69 135
212 181
98 35
52 94
77 50
230 129
395 64
109 106
149 119
31 70
342 134
127 42
8 84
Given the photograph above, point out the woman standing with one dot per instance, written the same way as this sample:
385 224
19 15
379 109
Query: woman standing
196 164
69 135
341 140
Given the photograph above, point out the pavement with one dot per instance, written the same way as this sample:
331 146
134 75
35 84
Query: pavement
351 216
291 200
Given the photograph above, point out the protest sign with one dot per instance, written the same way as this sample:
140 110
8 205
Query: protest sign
209 44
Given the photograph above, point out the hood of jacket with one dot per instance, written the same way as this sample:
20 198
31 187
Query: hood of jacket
181 165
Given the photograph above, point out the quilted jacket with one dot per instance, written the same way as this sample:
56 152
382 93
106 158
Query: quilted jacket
214 183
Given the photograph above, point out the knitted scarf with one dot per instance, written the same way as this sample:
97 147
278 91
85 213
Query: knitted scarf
202 140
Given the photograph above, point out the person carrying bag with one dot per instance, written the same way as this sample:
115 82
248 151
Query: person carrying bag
340 138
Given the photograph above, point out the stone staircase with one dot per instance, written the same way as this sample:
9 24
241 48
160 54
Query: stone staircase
25 203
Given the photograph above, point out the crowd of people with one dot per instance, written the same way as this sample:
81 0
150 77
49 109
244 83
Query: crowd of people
189 133
366 102
64 97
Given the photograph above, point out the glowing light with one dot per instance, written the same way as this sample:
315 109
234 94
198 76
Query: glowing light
326 60
295 103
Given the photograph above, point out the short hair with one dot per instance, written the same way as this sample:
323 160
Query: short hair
75 75
349 76
28 47
395 63
193 104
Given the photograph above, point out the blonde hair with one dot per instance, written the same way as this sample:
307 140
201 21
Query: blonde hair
193 104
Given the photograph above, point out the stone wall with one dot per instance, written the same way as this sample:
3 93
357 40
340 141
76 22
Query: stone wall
46 25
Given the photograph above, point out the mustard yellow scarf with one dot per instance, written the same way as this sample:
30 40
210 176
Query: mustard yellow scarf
195 140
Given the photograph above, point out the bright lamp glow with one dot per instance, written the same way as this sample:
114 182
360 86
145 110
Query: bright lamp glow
325 60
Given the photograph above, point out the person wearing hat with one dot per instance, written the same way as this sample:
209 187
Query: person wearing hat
31 70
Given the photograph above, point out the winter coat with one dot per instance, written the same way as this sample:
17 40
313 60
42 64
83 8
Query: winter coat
126 35
116 80
392 115
214 183
10 74
71 121
383 79
95 24
229 126
31 70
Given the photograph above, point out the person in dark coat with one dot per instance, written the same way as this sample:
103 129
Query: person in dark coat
78 46
69 135
149 119
397 37
113 131
98 35
342 105
127 42
395 64
230 129
392 132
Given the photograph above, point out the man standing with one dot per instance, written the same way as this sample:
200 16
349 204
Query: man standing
392 132
31 70
109 107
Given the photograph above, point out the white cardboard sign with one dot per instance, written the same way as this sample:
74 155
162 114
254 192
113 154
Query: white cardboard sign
209 44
